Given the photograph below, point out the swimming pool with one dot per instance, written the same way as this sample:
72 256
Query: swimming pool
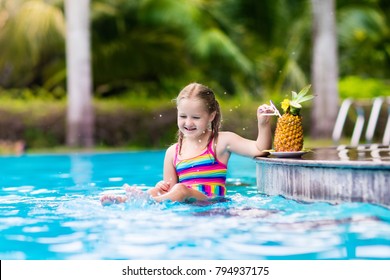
50 209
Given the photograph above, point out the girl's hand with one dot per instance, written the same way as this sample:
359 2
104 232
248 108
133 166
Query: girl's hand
264 112
163 186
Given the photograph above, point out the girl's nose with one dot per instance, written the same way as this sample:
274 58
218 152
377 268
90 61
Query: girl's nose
189 122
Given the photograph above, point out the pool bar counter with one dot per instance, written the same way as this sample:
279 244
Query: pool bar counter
333 174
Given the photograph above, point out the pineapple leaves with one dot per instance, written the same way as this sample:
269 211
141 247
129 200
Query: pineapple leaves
301 96
306 98
294 95
295 104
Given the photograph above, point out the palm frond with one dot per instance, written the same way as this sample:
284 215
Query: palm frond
357 24
213 42
32 28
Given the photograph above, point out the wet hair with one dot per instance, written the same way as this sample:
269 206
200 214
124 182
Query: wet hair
201 92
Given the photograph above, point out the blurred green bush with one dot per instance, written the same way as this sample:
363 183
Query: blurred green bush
138 120
362 88
132 122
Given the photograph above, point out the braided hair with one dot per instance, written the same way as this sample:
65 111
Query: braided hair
201 92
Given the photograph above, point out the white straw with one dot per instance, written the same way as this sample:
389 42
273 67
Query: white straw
276 111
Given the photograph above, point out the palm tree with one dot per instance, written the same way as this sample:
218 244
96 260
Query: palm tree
281 57
364 39
31 41
80 115
164 39
324 69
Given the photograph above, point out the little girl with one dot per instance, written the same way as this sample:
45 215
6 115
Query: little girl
195 167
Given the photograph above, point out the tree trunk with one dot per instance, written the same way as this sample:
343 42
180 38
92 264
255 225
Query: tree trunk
80 114
324 69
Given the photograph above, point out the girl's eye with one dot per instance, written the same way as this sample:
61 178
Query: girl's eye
196 118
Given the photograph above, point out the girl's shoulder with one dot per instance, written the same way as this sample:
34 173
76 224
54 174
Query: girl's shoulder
227 139
225 135
172 149
224 138
171 152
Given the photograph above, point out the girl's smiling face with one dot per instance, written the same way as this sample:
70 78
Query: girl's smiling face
192 117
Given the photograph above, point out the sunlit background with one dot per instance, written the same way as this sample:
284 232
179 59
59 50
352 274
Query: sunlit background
102 73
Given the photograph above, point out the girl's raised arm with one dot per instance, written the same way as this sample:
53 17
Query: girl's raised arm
233 143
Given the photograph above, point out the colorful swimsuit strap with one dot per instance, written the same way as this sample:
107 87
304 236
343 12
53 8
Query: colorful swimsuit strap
208 149
175 159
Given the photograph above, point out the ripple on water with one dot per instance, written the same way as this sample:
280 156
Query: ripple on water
36 229
13 255
67 238
76 226
69 247
373 251
15 222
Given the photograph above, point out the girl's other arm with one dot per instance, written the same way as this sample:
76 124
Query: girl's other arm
232 142
169 174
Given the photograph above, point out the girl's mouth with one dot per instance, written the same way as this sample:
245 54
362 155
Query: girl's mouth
190 128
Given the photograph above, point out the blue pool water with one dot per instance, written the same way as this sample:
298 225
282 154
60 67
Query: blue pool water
49 209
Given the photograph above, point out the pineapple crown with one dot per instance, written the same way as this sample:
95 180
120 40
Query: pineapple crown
294 106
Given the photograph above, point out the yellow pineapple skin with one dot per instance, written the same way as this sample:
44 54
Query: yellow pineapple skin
288 133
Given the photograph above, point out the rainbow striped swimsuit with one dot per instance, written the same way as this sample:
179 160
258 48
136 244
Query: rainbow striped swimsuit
203 173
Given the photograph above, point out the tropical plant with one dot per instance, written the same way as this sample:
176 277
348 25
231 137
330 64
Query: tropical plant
277 38
152 42
31 42
364 39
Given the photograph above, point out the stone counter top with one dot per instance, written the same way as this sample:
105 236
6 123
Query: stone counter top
331 174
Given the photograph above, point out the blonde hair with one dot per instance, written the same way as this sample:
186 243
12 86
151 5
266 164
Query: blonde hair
201 92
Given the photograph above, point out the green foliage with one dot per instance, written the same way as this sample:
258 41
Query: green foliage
149 42
39 123
145 51
364 40
34 93
235 46
31 39
130 122
356 87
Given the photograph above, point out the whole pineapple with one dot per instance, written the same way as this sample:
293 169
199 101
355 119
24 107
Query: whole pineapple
289 130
